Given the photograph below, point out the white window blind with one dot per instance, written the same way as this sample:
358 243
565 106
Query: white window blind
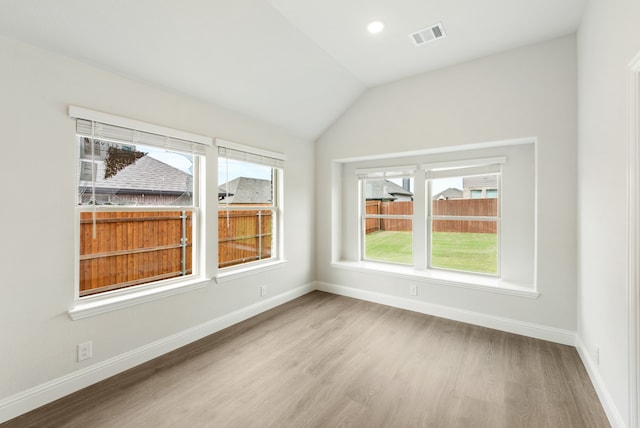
386 172
243 153
106 127
464 168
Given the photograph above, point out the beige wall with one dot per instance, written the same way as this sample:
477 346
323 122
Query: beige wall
608 39
37 220
528 92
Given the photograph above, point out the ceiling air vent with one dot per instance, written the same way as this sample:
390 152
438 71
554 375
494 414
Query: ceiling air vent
428 34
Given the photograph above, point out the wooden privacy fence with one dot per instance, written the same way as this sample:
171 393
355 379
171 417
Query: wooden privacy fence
389 208
244 236
447 207
131 248
466 207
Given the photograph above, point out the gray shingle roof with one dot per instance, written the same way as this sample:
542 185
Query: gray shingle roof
384 190
145 175
450 193
245 190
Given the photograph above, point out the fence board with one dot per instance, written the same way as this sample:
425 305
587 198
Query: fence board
450 207
464 226
466 207
244 236
131 248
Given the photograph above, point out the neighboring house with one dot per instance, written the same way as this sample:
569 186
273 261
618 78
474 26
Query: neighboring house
480 187
450 193
245 190
385 190
148 181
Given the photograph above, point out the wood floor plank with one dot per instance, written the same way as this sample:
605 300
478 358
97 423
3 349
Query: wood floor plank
330 361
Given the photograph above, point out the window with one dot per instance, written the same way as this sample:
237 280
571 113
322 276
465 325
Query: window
138 203
387 215
249 205
463 233
461 216
440 249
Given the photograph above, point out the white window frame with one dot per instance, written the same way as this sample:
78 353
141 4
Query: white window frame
407 171
465 168
518 277
276 161
121 298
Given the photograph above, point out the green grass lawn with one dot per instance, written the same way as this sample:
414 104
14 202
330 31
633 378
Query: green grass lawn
472 252
394 247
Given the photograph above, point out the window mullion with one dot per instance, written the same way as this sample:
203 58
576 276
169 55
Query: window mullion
420 238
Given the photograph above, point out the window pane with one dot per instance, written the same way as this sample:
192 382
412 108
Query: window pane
244 236
388 239
244 183
132 248
389 189
391 243
465 245
133 175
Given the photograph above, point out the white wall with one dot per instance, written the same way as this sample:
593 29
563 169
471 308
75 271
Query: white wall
37 218
528 92
608 39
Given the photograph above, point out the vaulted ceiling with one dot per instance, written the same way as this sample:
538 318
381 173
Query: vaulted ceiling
298 64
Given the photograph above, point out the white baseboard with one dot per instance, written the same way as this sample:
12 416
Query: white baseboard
45 393
615 418
551 334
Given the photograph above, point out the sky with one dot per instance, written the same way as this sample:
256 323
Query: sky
228 169
180 161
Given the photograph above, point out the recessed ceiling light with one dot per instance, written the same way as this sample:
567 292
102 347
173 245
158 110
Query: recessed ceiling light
375 27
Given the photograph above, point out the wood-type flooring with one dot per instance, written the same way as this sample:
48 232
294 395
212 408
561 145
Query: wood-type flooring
329 361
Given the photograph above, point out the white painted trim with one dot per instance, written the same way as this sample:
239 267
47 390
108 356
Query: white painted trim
491 284
42 394
633 244
110 301
445 149
537 331
608 404
248 269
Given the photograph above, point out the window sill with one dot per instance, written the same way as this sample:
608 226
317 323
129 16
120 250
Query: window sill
441 277
244 271
95 305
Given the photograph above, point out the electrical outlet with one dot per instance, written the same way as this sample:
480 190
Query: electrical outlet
413 289
263 290
85 351
596 355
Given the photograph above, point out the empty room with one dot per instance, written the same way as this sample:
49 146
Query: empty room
285 213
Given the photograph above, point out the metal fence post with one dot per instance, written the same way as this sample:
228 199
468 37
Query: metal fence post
183 242
259 235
